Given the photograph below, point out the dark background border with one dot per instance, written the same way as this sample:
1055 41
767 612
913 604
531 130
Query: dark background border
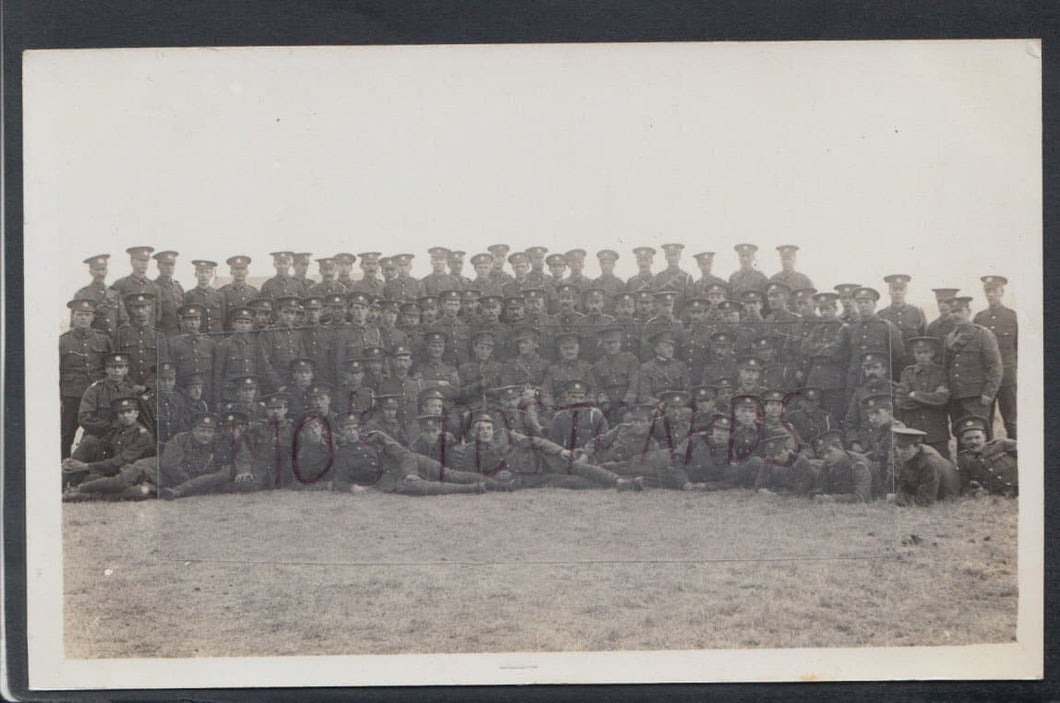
38 24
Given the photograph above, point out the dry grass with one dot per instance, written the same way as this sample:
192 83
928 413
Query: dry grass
285 573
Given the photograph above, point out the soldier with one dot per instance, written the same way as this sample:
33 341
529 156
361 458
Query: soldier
138 340
517 410
238 293
805 413
329 283
280 344
578 420
909 319
537 274
774 374
945 322
106 300
643 309
264 460
787 274
190 464
557 272
164 411
208 298
824 356
973 364
514 311
194 387
235 356
802 305
402 383
192 352
435 372
534 301
704 456
490 307
845 476
170 292
262 309
989 466
871 333
456 330
715 294
1003 323
370 282
674 422
389 269
344 263
435 442
673 277
878 441
663 372
695 313
390 335
576 263
318 339
922 476
625 442
607 281
375 371
119 463
722 361
499 253
856 428
521 268
483 282
568 367
82 351
592 322
774 408
385 419
300 377
403 286
747 277
746 438
705 262
137 282
567 315
783 323
624 306
302 260
470 306
527 369
534 461
481 373
282 284
456 268
749 377
845 291
643 279
613 375
923 397
665 302
95 412
438 280
783 470
428 310
245 392
353 396
352 339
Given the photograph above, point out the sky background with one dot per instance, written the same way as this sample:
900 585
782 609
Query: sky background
914 157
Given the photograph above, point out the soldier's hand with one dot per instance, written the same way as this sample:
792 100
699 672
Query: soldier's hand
359 490
856 447
985 400
566 455
244 477
137 389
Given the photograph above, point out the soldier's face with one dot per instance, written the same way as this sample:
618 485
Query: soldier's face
575 266
345 268
974 440
557 270
898 295
451 307
719 435
483 350
575 397
534 304
747 260
665 350
516 310
879 417
321 403
641 423
358 313
189 324
765 353
873 369
370 268
607 266
116 372
734 315
715 296
389 271
994 294
402 362
262 318
696 314
287 316
374 366
194 391
301 268
433 406
594 303
313 315
410 318
482 269
239 273
127 417
510 400
527 346
140 264
167 383
773 409
673 258
923 356
404 268
566 301
963 314
355 377
429 315
437 264
349 432
484 431
203 277
203 434
748 377
833 453
787 261
166 269
848 304
664 306
82 319
139 313
491 310
245 394
302 376
436 349
98 271
327 271
752 307
704 264
778 301
745 415
612 345
568 350
389 317
282 268
276 413
944 308
723 348
521 269
865 306
644 263
827 311
624 307
314 431
456 266
905 452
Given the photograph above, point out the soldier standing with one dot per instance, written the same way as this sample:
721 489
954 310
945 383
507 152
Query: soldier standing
170 292
663 372
856 427
870 333
329 284
607 281
824 356
747 277
973 364
673 277
344 264
1003 323
456 268
192 352
644 277
137 282
279 345
537 274
439 280
352 339
576 263
613 375
138 340
191 465
370 282
211 300
403 286
302 260
282 284
787 273
82 351
705 261
238 293
945 322
909 319
499 252
846 300
923 397
235 356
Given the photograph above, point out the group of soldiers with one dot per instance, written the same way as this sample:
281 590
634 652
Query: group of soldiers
541 376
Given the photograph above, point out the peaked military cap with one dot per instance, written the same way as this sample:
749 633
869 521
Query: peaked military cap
607 255
401 350
643 294
567 288
787 248
139 298
566 334
866 292
704 256
721 336
239 261
411 306
612 329
575 254
969 422
877 400
423 300
873 357
803 293
777 287
537 251
526 332
673 248
745 400
752 296
720 420
519 257
664 336
167 368
204 420
456 254
303 257
897 279
402 259
260 305
643 252
959 302
827 439
931 343
498 249
846 290
481 259
675 397
370 257
81 305
281 256
705 392
276 400
664 295
372 353
301 363
429 417
358 298
907 435
624 295
287 301
314 302
475 293
235 417
749 362
97 260
325 261
451 294
354 364
166 257
439 252
245 382
724 383
191 310
435 336
141 252
826 298
576 386
481 415
483 335
507 391
194 379
318 389
944 294
729 306
774 395
745 248
124 403
204 264
594 291
993 281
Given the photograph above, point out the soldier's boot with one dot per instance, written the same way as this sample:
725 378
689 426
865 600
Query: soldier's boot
200 485
141 491
107 486
596 474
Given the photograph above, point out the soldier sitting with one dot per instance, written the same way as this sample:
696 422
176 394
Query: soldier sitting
96 411
191 464
353 395
675 422
782 469
613 375
705 455
845 476
518 410
922 475
879 410
621 446
747 434
577 421
856 428
985 466
435 442
385 419
804 412
264 460
569 368
120 464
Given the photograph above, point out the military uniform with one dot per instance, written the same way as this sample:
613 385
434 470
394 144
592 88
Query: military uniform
81 354
277 347
824 363
95 413
575 425
120 452
1003 323
350 342
557 377
134 284
847 479
140 345
872 334
612 378
189 468
856 428
192 354
750 280
925 479
659 375
993 466
973 369
234 357
170 297
922 399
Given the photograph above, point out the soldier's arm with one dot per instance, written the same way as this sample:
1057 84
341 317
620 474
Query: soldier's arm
169 468
1000 446
88 415
992 366
903 389
928 491
272 375
851 420
937 398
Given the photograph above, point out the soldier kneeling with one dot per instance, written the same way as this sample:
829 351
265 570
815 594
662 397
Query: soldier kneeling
985 466
119 465
922 475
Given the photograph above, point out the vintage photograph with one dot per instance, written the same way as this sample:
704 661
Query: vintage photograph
522 350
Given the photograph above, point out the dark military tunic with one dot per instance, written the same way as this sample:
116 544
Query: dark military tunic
318 343
552 388
856 426
609 283
279 286
403 288
445 449
973 362
525 371
140 344
235 296
942 326
81 360
370 286
699 288
704 461
192 354
910 322
95 413
574 426
267 454
620 443
107 318
587 327
1003 323
660 375
326 288
115 450
436 373
926 478
872 334
640 281
184 459
435 283
741 281
171 297
848 480
477 379
213 303
792 279
136 284
165 414
994 468
234 357
675 279
277 347
921 399
612 377
350 342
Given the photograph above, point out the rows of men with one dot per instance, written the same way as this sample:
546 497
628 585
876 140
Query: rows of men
578 366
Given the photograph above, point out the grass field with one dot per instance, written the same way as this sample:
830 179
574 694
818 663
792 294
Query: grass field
544 570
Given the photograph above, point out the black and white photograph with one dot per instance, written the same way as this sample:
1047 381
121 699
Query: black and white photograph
559 363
